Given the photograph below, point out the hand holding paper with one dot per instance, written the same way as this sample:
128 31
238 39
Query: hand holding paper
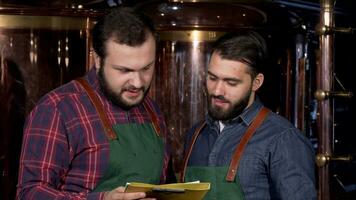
175 191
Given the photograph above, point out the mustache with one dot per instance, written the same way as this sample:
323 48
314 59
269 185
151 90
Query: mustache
133 88
219 97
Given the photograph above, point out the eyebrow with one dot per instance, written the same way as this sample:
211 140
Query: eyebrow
225 79
129 69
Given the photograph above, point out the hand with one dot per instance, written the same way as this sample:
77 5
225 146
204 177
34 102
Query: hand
120 194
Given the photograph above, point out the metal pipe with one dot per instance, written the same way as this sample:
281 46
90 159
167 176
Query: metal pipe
324 82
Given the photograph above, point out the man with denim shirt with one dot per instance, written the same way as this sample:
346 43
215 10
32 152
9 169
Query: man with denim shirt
242 148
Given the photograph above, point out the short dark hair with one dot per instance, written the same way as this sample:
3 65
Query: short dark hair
125 25
244 46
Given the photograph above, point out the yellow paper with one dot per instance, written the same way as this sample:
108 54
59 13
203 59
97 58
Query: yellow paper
174 191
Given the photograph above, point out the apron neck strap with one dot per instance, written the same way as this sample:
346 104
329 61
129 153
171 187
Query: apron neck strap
234 164
153 116
190 149
239 149
109 131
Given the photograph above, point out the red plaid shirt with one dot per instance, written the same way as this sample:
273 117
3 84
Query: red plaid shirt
65 151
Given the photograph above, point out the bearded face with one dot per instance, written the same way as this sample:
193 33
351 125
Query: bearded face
117 96
126 72
230 87
232 109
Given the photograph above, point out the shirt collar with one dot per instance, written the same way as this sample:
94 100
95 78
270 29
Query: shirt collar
250 113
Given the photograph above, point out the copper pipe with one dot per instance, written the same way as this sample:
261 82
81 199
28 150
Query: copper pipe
288 89
324 82
89 53
300 88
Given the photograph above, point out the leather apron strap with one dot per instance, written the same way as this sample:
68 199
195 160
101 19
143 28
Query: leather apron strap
234 164
109 131
191 145
154 117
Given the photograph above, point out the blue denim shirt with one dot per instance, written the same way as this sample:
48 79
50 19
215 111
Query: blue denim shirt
278 161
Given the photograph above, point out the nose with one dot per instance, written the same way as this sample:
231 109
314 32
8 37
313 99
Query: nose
218 88
136 79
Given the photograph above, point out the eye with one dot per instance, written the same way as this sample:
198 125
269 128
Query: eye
123 70
212 78
232 83
147 67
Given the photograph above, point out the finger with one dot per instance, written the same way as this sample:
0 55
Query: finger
128 196
120 189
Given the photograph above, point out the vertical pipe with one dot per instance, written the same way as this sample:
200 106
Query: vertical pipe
299 83
288 89
324 82
300 95
89 52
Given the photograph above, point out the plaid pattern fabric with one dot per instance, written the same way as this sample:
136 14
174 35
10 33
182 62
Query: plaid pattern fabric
65 151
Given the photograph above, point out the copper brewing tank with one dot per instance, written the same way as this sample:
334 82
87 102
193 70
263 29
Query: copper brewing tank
187 31
40 49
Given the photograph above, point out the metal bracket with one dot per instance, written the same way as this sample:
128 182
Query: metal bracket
327 30
321 95
322 159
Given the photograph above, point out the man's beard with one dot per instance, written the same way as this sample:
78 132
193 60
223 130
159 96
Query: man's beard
217 113
114 97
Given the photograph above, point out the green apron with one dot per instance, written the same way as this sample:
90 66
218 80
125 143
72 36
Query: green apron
135 156
136 150
224 183
220 189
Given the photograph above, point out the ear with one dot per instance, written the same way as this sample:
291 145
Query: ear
97 60
257 82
